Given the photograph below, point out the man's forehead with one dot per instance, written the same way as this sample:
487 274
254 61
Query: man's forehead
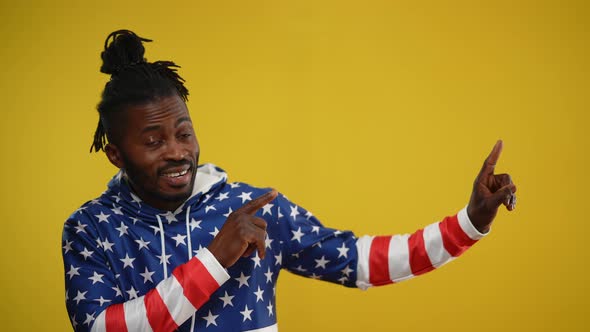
157 111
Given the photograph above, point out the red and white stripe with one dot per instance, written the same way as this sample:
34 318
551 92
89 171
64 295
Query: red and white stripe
388 259
171 303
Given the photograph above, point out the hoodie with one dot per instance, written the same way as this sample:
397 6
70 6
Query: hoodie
131 267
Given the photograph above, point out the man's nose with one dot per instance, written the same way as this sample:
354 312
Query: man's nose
175 150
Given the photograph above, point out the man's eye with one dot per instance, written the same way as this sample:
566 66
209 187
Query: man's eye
154 143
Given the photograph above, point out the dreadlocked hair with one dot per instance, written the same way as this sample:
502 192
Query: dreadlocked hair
133 81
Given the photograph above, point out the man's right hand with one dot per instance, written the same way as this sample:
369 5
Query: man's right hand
242 233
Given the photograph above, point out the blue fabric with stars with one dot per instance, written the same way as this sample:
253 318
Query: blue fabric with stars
112 253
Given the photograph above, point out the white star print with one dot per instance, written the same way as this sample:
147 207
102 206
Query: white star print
346 271
243 280
258 294
80 228
269 307
266 209
179 239
117 210
210 319
279 214
170 217
228 212
156 229
315 276
127 261
117 198
96 278
210 207
142 243
122 230
256 260
343 280
279 259
117 291
234 185
343 251
147 276
102 300
102 217
68 246
300 268
315 229
162 259
245 196
268 275
195 224
294 212
308 215
226 299
246 313
86 253
89 319
136 199
132 293
215 232
267 241
73 271
81 296
222 196
74 323
107 245
297 235
134 220
321 262
336 233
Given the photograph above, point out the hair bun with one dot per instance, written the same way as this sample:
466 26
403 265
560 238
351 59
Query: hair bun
122 48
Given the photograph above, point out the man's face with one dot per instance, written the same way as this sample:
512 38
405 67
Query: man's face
158 150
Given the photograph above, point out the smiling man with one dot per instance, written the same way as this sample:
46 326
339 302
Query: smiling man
171 245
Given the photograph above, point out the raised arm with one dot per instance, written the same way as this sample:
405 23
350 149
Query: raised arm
331 255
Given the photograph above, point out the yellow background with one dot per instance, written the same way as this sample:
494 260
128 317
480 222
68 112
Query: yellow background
375 115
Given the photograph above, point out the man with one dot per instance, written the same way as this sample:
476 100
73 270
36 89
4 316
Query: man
172 246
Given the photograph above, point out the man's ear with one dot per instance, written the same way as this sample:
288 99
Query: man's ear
114 155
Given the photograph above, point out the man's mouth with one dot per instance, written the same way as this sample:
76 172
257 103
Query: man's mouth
176 174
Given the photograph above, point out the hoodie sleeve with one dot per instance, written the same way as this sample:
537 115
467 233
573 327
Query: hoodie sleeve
318 252
94 300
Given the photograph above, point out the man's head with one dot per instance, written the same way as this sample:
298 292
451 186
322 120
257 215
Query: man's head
144 118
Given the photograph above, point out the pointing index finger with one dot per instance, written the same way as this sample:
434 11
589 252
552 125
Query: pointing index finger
490 163
254 205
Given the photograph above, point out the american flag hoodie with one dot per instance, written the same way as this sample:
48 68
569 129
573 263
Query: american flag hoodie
131 267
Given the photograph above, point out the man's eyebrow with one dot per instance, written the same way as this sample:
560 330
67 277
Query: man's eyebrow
181 120
150 128
157 127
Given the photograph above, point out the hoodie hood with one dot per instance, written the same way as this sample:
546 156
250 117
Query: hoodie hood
208 180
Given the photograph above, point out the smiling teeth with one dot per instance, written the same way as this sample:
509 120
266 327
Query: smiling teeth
175 175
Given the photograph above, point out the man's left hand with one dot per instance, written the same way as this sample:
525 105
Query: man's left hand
489 192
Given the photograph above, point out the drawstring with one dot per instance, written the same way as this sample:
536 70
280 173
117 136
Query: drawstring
189 248
163 247
190 252
188 233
